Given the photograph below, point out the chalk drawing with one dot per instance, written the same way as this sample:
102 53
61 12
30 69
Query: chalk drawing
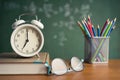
85 10
32 7
66 11
48 9
66 24
40 10
76 10
60 9
71 23
55 36
55 24
69 13
62 38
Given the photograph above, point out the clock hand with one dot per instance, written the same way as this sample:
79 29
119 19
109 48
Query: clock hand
27 34
25 44
26 39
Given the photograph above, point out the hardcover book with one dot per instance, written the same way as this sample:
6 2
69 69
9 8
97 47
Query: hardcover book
11 63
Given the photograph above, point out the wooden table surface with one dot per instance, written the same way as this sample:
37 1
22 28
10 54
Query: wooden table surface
110 71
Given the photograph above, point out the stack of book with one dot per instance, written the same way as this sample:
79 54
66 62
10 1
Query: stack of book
10 63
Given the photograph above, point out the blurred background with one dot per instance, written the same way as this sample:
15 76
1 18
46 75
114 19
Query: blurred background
63 37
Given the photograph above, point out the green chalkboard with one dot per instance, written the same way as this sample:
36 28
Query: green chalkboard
63 37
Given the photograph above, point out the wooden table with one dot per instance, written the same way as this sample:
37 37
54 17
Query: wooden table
110 71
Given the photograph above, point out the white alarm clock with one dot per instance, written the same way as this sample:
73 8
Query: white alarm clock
27 39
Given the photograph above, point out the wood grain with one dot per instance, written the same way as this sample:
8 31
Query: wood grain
110 71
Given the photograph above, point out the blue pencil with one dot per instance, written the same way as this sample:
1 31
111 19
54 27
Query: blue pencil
93 30
87 32
111 27
98 31
110 31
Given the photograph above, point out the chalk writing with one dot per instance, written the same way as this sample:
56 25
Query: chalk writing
62 38
67 13
31 8
67 10
85 10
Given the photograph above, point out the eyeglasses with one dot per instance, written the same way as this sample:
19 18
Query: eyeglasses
59 67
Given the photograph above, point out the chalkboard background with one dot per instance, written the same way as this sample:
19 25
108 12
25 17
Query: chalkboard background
63 38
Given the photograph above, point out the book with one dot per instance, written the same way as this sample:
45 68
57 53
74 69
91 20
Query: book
11 63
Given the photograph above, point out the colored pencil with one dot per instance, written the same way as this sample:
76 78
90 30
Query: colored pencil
85 28
81 27
104 26
111 28
103 32
94 32
110 31
98 31
89 19
90 29
108 28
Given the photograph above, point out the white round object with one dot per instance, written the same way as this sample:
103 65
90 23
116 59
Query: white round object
76 64
37 23
58 66
27 40
15 24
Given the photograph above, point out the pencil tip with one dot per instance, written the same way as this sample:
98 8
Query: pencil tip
115 19
84 18
92 26
114 27
98 26
88 16
78 22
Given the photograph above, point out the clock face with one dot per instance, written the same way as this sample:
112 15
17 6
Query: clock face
27 40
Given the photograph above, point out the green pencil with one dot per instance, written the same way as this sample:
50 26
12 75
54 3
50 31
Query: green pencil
108 28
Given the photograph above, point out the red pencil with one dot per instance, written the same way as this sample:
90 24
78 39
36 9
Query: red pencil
87 26
90 28
104 26
89 20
